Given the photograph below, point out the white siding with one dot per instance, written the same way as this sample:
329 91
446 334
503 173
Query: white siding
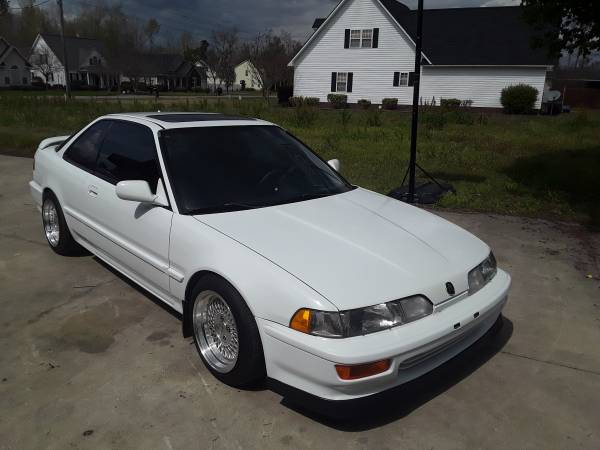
373 68
483 85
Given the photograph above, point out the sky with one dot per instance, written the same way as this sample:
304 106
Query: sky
253 16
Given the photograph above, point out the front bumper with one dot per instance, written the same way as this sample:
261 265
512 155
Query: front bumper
308 362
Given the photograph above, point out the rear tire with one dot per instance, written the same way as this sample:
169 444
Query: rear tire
225 333
55 228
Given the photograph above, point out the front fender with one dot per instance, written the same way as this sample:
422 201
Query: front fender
270 292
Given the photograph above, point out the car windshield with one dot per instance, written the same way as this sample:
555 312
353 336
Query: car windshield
217 169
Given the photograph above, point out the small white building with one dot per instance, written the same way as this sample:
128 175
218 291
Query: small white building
15 70
246 76
87 65
366 49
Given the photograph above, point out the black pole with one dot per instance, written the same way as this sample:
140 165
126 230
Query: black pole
415 107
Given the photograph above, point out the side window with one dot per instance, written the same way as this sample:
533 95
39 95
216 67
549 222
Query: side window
84 151
128 153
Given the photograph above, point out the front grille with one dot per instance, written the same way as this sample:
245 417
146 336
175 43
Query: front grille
421 357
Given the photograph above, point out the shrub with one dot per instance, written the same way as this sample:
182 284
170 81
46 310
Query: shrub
389 103
364 104
338 100
519 99
303 101
450 103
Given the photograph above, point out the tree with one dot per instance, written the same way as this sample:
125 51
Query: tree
4 7
192 51
269 55
565 25
225 44
45 63
151 29
212 62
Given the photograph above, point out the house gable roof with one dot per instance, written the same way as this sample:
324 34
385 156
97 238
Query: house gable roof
483 36
77 48
6 49
332 14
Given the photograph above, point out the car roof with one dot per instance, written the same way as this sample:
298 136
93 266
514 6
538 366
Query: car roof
189 119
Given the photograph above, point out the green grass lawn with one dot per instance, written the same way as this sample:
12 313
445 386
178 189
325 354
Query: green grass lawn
534 166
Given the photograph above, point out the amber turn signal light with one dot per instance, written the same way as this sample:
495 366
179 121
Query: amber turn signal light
301 320
354 372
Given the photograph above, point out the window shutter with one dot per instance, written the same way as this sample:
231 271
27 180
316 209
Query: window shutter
349 83
375 37
396 78
411 78
333 81
347 38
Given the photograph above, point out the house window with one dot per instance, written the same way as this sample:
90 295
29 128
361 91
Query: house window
6 80
342 82
355 38
361 38
43 59
367 38
24 80
402 79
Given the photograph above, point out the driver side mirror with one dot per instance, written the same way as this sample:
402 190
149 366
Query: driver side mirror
335 164
139 191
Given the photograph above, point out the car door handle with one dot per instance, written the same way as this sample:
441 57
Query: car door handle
92 190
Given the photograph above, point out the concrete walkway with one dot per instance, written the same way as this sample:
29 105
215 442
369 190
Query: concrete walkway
89 361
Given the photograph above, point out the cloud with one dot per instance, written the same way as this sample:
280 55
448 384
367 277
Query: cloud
250 17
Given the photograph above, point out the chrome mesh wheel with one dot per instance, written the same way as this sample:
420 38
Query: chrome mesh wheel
216 331
50 221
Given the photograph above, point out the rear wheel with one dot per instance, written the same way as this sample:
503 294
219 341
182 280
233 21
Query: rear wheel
225 333
55 228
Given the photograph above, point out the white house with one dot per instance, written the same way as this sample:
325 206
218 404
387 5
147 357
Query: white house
14 67
246 76
366 49
87 64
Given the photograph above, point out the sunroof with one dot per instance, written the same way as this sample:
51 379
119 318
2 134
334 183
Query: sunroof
195 117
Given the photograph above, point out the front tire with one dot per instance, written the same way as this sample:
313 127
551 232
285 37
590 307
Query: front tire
225 333
55 228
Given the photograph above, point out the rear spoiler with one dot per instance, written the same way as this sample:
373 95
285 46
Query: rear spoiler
52 141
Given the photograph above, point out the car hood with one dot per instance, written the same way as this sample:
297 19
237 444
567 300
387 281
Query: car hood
358 248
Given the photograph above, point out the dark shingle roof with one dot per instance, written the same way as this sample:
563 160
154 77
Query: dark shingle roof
77 48
472 36
318 22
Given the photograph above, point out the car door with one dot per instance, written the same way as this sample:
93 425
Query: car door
133 236
75 191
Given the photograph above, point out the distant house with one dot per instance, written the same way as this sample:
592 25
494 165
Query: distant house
166 71
366 50
88 66
15 70
246 76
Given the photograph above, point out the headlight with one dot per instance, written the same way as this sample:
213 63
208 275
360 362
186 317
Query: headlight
482 274
356 322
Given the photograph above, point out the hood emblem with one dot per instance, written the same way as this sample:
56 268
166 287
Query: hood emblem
450 288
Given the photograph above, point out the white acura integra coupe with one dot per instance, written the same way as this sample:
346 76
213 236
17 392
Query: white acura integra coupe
278 265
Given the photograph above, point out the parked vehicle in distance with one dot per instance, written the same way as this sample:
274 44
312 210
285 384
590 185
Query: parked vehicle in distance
278 265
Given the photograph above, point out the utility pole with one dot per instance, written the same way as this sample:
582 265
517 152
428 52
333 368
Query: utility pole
65 58
415 107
